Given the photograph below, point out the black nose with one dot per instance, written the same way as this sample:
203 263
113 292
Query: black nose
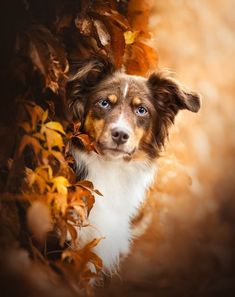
119 136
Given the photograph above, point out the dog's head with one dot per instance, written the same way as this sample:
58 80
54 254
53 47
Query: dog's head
128 116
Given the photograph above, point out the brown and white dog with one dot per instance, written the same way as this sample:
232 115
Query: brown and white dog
128 117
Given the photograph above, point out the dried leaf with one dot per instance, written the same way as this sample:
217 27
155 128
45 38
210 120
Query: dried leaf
86 183
73 233
102 33
111 15
47 56
55 126
139 58
84 140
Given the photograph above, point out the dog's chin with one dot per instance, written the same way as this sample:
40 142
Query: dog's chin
117 154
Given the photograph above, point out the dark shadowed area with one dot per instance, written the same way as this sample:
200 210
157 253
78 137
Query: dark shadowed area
188 250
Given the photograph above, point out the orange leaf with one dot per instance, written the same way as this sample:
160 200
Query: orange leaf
31 141
84 140
73 233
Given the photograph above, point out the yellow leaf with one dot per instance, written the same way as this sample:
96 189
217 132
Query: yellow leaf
130 36
60 184
30 175
55 126
57 202
45 171
53 139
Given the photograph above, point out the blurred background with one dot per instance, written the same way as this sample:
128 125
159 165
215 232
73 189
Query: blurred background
189 248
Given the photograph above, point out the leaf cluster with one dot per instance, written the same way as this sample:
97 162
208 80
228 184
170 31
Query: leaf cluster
35 166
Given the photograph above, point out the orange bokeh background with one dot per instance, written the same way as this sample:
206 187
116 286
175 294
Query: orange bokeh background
188 249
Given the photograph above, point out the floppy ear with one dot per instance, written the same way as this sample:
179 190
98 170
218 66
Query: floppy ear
168 93
84 76
168 98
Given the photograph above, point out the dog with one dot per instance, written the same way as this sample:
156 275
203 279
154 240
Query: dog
128 117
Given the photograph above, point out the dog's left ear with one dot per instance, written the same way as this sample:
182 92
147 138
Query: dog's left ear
83 77
168 94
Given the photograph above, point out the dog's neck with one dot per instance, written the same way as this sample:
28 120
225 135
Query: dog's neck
123 181
123 185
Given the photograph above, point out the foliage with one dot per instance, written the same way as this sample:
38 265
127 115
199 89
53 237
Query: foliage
37 174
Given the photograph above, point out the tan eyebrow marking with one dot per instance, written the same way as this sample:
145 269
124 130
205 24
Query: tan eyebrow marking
113 98
136 101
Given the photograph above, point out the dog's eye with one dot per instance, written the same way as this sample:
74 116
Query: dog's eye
104 103
141 110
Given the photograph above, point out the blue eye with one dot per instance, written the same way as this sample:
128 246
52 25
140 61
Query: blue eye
141 111
104 103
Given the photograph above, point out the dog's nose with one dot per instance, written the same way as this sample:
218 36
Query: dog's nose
119 136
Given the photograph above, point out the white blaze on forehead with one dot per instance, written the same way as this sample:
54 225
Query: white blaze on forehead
121 124
125 90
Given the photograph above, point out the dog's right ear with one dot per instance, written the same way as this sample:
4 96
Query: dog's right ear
84 76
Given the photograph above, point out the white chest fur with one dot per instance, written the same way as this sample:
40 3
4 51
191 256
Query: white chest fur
123 185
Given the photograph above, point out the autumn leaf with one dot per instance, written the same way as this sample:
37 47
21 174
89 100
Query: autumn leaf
110 15
130 36
55 126
76 30
41 176
29 141
44 116
73 233
35 112
84 256
25 126
103 35
35 178
46 55
53 139
57 202
83 140
139 58
117 44
88 185
60 184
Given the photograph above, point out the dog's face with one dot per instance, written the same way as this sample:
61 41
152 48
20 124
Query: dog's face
127 116
119 115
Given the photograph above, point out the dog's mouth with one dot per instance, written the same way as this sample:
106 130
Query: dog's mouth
116 152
